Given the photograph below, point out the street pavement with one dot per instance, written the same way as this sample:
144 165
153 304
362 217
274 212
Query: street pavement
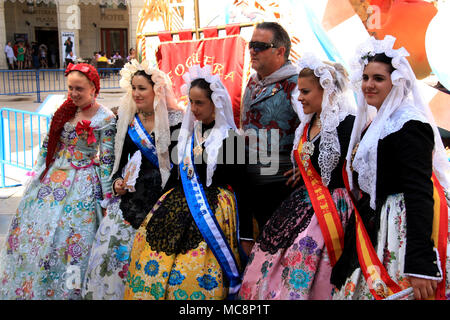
10 196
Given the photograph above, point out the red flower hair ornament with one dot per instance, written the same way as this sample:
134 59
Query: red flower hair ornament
88 70
67 111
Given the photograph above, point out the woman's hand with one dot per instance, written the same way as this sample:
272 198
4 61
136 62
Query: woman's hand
291 181
119 187
423 288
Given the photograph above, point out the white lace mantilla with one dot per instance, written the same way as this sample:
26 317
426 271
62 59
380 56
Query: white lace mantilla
224 119
403 103
335 107
164 101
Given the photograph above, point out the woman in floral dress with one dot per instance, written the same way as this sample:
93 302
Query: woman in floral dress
171 256
291 259
50 237
398 171
146 114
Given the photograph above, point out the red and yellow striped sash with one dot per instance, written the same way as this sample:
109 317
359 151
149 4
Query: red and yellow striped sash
440 232
378 280
324 207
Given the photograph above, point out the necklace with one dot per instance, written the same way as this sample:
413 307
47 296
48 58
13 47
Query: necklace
355 149
199 139
319 123
308 148
79 109
146 114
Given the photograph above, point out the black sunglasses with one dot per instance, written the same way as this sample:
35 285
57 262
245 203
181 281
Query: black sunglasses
259 46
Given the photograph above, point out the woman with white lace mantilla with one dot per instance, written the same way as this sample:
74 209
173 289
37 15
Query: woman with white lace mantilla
187 247
293 255
397 170
146 118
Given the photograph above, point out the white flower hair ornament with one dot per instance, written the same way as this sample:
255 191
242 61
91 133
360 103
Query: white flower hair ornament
164 100
224 119
402 75
403 103
335 107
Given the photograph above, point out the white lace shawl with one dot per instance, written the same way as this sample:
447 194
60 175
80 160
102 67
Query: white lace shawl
402 104
336 105
224 119
163 102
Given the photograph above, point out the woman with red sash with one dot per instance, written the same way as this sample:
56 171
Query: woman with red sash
293 256
51 235
396 242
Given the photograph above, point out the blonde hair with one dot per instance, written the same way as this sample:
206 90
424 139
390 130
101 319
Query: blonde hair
338 72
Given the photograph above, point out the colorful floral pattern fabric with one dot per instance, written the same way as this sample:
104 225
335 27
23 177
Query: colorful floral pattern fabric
269 107
297 269
391 250
50 237
193 275
108 263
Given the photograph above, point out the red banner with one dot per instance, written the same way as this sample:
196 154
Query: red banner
225 55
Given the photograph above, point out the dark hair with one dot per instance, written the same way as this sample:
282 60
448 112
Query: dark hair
383 58
204 85
143 74
280 36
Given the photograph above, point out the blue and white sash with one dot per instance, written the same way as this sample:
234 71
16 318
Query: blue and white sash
143 141
206 221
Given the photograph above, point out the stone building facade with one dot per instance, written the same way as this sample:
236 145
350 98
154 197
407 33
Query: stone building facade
96 25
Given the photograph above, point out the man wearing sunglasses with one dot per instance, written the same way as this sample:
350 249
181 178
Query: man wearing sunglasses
268 112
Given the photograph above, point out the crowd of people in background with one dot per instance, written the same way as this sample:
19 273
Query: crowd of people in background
23 55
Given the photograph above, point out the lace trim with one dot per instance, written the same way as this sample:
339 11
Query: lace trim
405 94
291 218
224 119
335 107
171 229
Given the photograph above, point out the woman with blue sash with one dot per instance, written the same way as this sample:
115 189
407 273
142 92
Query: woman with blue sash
145 116
187 247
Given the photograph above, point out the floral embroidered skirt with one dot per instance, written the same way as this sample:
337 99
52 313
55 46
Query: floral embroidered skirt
170 260
108 263
50 237
289 260
391 250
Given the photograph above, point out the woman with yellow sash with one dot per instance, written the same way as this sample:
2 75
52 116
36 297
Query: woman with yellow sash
187 246
293 256
396 242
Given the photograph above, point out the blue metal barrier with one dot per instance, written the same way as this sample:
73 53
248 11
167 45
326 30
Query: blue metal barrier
21 132
37 81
